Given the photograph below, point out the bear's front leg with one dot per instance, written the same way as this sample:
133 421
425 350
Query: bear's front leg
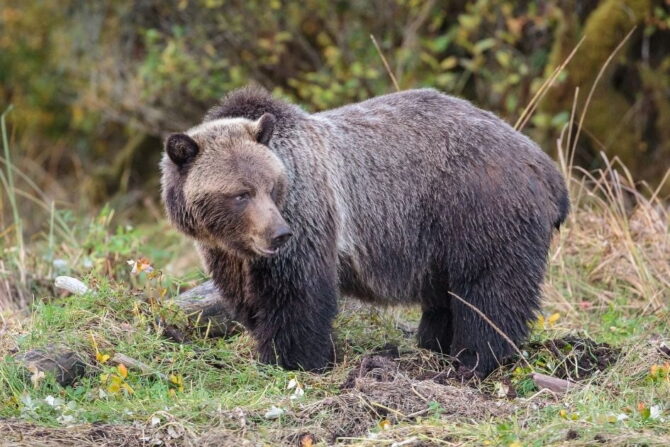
296 302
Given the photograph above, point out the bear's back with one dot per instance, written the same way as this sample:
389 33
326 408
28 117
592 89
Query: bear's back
439 125
420 162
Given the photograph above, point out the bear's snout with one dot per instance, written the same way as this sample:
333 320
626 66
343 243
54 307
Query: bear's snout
281 235
276 236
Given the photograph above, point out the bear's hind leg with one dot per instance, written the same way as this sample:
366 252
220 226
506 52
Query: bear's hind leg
436 329
509 297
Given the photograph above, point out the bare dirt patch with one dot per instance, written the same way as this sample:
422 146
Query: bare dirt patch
392 388
575 358
393 399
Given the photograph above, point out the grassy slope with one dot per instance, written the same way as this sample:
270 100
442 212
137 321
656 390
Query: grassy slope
609 280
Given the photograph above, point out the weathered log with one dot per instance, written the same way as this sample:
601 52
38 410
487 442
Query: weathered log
206 311
66 365
554 384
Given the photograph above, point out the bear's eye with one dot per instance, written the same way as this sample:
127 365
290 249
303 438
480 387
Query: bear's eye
242 197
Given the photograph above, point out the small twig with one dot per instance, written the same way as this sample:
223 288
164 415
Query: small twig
418 413
372 404
130 362
386 64
419 394
493 325
539 393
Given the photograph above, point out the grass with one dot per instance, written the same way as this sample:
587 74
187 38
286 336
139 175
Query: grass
608 281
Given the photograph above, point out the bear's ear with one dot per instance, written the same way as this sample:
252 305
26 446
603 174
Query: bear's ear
265 127
181 148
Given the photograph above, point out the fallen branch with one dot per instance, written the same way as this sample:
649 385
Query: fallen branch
205 309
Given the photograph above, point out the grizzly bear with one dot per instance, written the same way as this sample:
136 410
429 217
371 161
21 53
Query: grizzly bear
405 198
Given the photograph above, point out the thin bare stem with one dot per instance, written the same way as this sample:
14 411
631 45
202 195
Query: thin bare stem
495 328
11 195
571 156
595 84
532 105
386 64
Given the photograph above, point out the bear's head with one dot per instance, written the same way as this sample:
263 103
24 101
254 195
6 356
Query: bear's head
223 186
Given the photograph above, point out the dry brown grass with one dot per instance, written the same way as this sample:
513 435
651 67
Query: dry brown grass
616 243
21 433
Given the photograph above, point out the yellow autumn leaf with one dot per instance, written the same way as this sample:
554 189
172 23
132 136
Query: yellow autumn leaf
104 377
384 424
123 371
515 444
101 358
114 387
553 318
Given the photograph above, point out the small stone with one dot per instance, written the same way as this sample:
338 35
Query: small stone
274 413
72 285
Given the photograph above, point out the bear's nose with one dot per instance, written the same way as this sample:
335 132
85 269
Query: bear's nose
281 235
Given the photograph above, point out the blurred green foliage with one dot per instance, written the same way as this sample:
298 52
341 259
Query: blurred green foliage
97 84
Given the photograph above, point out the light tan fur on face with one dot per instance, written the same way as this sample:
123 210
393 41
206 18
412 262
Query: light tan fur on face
231 162
229 158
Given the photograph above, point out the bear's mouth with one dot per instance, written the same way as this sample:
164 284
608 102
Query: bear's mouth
265 251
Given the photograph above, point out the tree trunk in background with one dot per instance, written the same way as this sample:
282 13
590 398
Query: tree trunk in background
620 121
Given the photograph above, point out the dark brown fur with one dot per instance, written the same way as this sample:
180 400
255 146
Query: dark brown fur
400 199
